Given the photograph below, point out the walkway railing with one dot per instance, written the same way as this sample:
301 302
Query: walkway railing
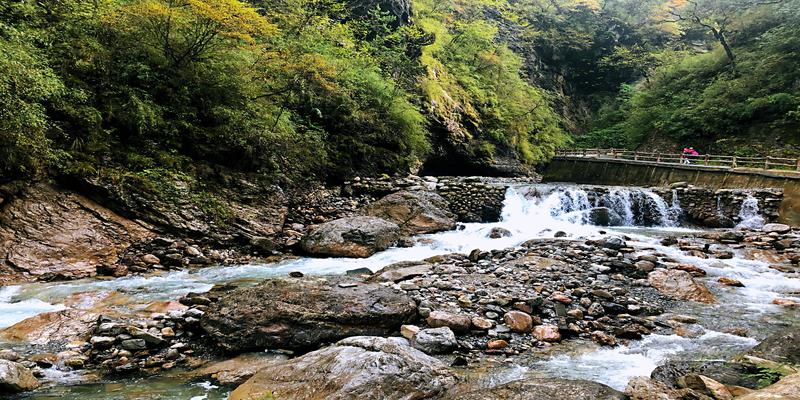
769 163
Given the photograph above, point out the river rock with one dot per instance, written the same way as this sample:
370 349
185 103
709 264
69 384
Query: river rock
351 237
672 372
435 340
15 378
707 386
518 321
459 323
414 211
730 282
604 216
361 367
644 388
51 327
543 388
303 313
777 228
239 369
680 285
498 232
782 346
547 333
401 271
788 388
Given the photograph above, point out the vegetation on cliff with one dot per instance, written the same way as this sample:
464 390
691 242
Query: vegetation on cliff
290 90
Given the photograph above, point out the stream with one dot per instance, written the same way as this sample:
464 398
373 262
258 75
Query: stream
529 212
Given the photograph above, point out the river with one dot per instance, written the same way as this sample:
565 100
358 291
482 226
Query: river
529 212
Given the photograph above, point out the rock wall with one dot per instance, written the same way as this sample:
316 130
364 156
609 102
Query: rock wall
721 208
47 233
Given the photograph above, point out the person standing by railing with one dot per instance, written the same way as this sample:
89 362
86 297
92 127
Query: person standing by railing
687 153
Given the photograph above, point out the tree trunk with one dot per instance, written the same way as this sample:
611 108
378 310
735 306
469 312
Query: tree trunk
720 36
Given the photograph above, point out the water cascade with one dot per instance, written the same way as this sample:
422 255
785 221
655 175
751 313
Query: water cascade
749 216
626 206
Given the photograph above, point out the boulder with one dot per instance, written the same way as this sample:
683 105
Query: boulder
644 388
679 284
415 212
788 388
52 327
351 237
518 321
604 216
435 340
672 372
498 232
718 221
547 333
354 368
47 233
304 313
15 378
459 323
543 388
401 271
238 369
782 347
612 242
777 228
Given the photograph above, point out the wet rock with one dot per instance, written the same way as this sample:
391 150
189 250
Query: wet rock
604 216
362 367
543 388
730 282
459 323
613 242
496 344
51 327
518 321
680 285
787 388
777 228
102 342
644 388
707 386
547 333
481 323
351 237
239 369
302 314
134 344
782 347
729 373
603 338
497 233
401 271
15 378
435 340
415 212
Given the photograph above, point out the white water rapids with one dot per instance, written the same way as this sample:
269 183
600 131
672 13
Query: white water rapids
529 212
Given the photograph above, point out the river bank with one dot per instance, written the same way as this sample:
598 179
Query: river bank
578 301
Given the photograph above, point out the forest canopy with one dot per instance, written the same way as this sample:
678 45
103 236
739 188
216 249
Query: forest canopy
292 90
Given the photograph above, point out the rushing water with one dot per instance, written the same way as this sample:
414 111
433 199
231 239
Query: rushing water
529 212
749 215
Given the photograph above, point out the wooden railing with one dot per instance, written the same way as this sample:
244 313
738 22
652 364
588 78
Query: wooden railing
771 163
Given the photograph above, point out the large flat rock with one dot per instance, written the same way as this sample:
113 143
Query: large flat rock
305 313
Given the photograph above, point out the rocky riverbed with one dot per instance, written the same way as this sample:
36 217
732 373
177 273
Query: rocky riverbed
515 309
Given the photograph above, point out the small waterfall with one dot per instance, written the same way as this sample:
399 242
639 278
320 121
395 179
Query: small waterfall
626 206
749 216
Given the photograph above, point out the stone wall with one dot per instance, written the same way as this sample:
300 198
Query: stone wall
720 208
472 199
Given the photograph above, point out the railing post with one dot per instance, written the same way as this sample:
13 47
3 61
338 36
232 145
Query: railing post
798 165
706 160
733 163
658 157
766 163
635 156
